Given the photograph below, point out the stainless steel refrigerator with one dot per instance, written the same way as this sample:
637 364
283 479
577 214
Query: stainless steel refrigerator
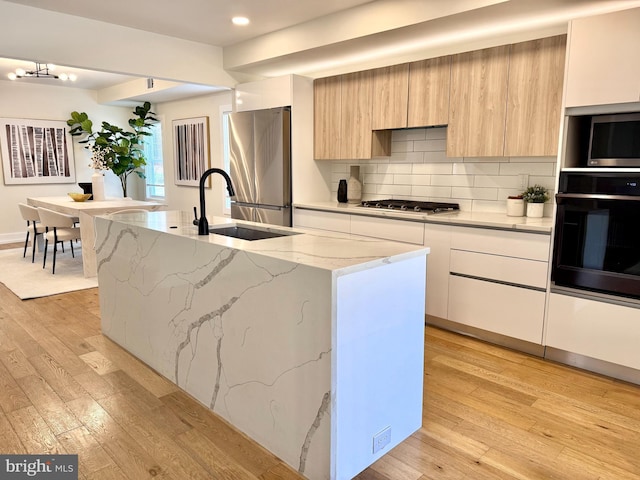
260 158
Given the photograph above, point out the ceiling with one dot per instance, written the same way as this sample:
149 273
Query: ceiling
314 36
204 21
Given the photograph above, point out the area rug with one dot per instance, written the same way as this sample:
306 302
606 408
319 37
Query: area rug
30 280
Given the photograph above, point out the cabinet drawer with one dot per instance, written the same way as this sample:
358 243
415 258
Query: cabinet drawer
512 311
335 222
594 329
501 242
496 267
388 229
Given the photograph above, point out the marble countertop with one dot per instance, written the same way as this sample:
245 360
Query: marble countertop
337 252
465 218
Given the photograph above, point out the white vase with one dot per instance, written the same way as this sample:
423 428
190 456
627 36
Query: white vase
535 210
354 187
97 186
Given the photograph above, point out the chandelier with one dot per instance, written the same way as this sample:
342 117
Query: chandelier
42 70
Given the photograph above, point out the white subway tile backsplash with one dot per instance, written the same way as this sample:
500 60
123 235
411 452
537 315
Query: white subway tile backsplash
486 159
437 133
476 168
433 168
378 178
410 179
499 181
410 134
437 157
430 146
453 180
406 146
394 190
475 193
489 206
504 193
543 169
532 159
395 168
419 169
431 191
413 179
407 157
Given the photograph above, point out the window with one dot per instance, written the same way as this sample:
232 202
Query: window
154 170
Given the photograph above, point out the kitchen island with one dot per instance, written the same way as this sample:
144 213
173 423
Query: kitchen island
311 344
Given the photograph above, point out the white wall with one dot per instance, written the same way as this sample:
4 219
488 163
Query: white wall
181 197
19 100
419 169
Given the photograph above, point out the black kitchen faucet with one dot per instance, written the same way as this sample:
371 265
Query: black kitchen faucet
202 223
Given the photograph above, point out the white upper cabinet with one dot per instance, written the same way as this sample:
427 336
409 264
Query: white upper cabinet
604 59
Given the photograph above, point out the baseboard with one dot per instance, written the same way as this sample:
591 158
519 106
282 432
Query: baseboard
576 360
12 237
602 367
491 337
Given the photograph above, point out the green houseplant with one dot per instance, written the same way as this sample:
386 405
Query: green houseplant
535 194
535 197
113 148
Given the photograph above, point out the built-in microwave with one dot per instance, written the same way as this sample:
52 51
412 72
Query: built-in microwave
614 140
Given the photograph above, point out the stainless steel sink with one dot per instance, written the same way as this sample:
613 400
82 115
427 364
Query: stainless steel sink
247 233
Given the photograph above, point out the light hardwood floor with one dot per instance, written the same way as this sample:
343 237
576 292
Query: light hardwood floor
488 412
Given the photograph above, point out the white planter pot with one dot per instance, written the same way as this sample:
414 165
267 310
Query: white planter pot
535 210
515 207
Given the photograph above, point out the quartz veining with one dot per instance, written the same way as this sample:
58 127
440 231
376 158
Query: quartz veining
279 336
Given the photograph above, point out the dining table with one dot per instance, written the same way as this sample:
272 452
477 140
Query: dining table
86 212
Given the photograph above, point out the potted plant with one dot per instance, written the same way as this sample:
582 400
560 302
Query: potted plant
535 197
515 206
113 148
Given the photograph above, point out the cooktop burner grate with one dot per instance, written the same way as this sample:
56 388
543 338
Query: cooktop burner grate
411 205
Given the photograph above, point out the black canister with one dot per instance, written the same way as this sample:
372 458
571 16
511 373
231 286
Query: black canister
342 191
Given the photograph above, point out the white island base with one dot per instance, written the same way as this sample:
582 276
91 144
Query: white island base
311 345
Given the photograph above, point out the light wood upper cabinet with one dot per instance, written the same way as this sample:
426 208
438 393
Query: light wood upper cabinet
357 98
342 119
478 103
604 59
501 101
327 100
428 99
536 72
390 95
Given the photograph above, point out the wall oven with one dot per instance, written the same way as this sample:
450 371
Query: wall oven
597 233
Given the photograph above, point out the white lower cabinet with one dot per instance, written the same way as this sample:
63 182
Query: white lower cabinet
438 239
498 281
334 222
504 309
490 279
594 329
388 229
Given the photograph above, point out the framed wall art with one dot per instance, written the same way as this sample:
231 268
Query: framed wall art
36 151
191 150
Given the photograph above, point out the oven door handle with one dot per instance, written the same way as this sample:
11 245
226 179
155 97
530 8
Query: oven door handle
560 197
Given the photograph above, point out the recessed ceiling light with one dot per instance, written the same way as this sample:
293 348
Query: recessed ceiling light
240 20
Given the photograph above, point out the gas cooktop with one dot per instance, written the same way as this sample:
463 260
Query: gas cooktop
411 206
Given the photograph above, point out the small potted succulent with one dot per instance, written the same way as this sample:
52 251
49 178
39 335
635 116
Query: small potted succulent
535 197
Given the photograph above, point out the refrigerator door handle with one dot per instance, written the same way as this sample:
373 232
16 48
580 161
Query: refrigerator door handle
266 207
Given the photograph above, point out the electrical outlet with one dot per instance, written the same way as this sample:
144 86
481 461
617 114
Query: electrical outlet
381 439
